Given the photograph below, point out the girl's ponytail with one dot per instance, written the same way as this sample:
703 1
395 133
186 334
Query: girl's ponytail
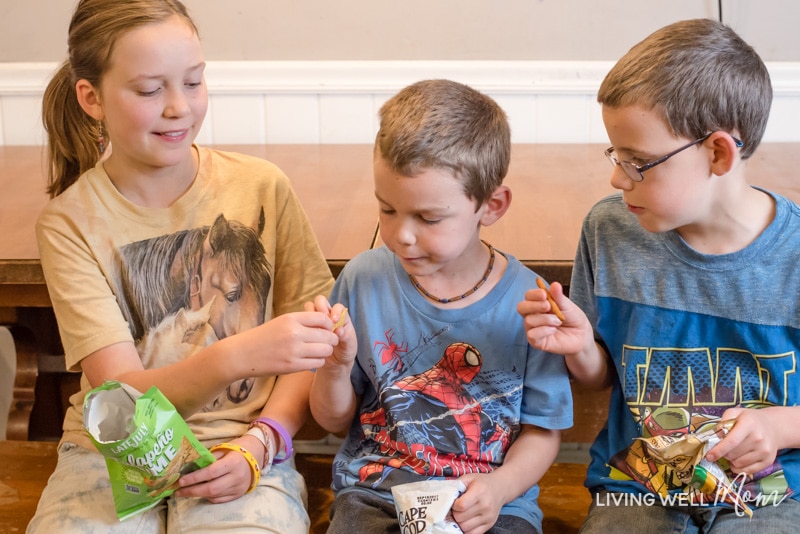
96 25
72 134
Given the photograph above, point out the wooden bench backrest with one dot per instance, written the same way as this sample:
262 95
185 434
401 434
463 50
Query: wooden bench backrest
590 406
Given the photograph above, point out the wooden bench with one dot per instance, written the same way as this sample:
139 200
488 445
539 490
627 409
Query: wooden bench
25 467
564 179
563 498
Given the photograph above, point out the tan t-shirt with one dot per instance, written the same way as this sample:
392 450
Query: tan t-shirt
231 253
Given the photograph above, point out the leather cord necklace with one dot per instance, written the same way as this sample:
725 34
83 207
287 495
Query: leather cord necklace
468 293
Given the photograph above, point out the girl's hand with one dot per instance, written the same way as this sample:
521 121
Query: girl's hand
344 352
286 344
547 332
752 444
226 479
478 508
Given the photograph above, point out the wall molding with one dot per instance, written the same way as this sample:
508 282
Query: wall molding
337 101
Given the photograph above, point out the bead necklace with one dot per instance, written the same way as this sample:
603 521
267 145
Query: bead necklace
468 293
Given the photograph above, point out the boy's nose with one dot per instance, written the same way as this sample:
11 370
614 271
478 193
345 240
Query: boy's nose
620 180
404 234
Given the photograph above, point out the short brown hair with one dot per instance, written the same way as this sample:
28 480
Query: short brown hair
701 76
446 125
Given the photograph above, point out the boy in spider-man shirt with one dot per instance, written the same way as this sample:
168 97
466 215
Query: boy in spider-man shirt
439 387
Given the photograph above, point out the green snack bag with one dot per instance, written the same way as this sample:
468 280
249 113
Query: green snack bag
146 443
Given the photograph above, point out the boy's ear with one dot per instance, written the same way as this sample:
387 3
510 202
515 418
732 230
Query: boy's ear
724 152
89 99
497 205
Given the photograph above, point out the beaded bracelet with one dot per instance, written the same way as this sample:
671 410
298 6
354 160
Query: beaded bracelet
282 432
255 471
260 433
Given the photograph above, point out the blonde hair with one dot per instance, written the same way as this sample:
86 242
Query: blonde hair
446 125
95 27
700 76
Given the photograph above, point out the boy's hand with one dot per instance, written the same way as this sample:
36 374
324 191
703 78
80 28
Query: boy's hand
344 352
751 445
547 332
477 510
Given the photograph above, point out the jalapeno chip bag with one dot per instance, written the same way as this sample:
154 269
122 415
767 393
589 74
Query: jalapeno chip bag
146 444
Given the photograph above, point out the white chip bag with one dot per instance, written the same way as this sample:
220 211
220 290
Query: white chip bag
425 507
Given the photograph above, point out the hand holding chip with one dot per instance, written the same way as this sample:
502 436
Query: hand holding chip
344 352
753 443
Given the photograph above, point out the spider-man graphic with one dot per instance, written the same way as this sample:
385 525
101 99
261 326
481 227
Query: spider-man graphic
432 417
391 351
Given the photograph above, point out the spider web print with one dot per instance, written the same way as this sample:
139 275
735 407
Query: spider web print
449 413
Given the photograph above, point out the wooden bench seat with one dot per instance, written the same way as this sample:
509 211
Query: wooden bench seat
25 467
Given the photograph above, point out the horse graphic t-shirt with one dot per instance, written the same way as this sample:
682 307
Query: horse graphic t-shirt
217 272
234 251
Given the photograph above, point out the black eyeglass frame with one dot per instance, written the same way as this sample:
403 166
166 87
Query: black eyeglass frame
634 171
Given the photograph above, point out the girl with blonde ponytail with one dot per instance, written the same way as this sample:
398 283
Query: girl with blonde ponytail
175 266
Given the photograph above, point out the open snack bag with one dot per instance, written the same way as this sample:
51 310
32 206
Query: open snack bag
686 456
424 507
146 443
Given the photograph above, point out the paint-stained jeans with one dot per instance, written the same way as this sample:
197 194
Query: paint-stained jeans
78 499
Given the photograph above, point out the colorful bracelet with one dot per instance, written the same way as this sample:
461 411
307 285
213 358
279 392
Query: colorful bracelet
282 432
255 471
260 433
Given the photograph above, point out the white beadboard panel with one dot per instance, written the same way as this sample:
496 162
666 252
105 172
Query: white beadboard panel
346 118
783 118
597 130
521 112
22 120
205 137
313 102
238 119
293 118
562 118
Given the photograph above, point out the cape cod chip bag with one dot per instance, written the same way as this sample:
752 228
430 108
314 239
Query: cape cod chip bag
146 444
424 507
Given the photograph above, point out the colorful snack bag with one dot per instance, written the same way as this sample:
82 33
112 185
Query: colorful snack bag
425 507
146 443
685 455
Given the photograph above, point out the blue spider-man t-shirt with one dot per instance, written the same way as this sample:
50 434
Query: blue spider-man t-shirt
444 391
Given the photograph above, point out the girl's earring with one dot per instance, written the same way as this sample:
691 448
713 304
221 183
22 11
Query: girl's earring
101 136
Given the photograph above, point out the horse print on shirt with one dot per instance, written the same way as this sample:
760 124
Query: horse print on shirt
176 337
221 268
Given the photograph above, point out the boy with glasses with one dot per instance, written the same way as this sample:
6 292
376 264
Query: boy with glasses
684 295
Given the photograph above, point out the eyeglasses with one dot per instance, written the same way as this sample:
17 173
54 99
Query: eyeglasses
634 171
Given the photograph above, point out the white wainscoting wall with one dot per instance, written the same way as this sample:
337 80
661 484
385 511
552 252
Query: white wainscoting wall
309 102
